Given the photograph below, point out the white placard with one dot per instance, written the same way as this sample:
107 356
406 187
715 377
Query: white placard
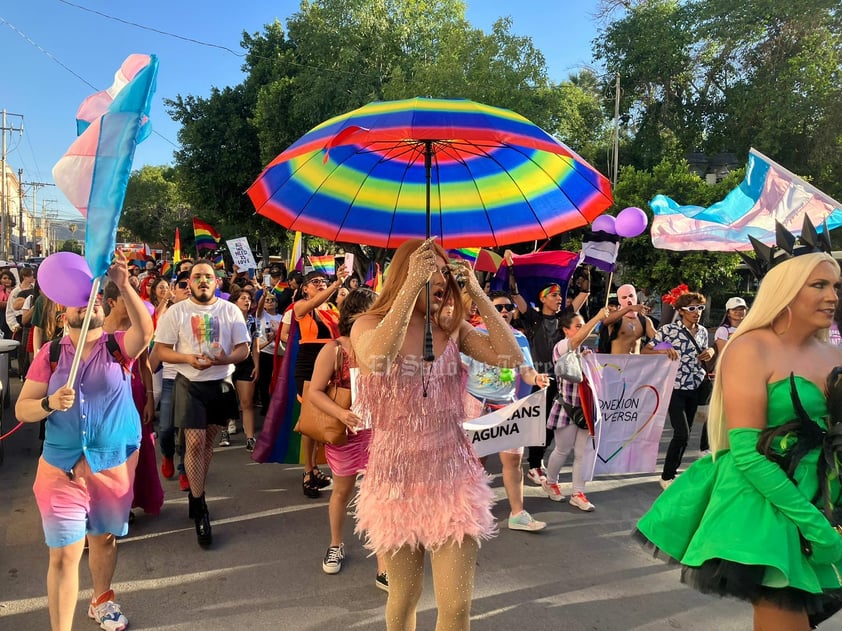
241 254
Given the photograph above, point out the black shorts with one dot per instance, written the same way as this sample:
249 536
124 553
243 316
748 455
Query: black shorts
243 371
197 404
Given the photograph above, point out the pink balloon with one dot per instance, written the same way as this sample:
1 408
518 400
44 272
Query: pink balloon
66 279
149 307
631 222
604 223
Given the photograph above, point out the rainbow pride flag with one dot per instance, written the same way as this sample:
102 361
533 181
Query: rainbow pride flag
326 264
206 237
176 249
466 254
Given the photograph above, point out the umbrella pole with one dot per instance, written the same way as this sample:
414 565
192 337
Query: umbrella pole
428 326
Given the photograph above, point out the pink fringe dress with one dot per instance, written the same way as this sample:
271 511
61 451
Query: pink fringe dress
424 485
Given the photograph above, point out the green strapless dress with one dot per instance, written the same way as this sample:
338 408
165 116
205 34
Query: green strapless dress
730 539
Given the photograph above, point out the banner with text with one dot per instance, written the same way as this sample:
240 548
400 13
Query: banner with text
241 254
520 424
634 393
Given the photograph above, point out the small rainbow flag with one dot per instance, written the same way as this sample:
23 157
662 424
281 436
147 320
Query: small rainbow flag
176 250
466 254
206 237
219 261
326 264
166 269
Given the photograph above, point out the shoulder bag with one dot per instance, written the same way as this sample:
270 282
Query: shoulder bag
318 425
568 367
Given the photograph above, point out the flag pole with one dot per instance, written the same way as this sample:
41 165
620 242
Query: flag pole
83 332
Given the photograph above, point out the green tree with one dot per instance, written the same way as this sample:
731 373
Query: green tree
154 208
71 245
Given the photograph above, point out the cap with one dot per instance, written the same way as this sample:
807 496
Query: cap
276 270
735 302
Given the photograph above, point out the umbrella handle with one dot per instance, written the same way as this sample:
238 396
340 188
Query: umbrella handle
429 356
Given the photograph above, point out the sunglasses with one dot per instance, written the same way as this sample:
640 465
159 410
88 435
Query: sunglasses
694 308
502 308
182 284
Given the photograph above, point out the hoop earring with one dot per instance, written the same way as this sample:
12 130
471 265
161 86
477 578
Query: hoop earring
788 321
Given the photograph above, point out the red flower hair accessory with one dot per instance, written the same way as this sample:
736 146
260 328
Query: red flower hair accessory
673 294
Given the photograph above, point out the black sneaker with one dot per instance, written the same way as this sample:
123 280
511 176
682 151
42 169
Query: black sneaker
250 443
382 581
333 559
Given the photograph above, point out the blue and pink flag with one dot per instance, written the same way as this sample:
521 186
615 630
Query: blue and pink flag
534 272
95 171
769 194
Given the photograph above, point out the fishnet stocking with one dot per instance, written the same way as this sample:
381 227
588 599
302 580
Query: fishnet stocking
197 456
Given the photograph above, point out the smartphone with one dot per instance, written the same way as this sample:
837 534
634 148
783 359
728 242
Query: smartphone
267 280
349 262
339 261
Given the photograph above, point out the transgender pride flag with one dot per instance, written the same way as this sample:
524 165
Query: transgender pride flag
769 194
95 171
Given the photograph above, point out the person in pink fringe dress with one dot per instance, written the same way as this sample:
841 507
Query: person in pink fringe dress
424 488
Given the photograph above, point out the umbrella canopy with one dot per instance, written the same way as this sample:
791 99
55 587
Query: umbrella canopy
472 174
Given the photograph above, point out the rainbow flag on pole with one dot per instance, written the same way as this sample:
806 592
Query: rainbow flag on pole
296 259
176 250
326 264
206 237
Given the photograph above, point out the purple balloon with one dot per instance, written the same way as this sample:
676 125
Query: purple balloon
631 222
149 307
604 223
66 279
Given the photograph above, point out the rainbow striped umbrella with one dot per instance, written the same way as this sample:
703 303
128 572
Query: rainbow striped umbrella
472 174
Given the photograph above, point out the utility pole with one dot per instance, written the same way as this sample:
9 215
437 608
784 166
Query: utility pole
616 130
4 202
35 186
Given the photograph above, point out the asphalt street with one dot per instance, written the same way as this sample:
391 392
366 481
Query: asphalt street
584 572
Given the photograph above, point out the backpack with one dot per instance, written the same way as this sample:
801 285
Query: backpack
111 344
608 334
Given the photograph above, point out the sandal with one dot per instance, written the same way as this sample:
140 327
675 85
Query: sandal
322 480
310 486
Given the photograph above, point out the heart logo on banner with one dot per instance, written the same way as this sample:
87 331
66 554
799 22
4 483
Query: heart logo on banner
642 427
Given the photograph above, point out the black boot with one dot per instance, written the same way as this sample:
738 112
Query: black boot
204 535
194 506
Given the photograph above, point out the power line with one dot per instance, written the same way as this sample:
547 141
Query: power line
153 30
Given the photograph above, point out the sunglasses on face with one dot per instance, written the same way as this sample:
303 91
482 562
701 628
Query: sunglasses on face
694 308
318 281
502 308
182 284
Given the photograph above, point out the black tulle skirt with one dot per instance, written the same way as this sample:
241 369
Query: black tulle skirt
726 578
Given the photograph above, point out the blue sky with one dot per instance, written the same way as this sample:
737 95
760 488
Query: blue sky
86 48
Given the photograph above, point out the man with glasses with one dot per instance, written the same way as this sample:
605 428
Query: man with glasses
492 388
203 337
689 344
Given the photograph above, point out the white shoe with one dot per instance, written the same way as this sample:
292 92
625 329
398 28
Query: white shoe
537 476
704 453
232 427
665 483
580 501
525 521
553 490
